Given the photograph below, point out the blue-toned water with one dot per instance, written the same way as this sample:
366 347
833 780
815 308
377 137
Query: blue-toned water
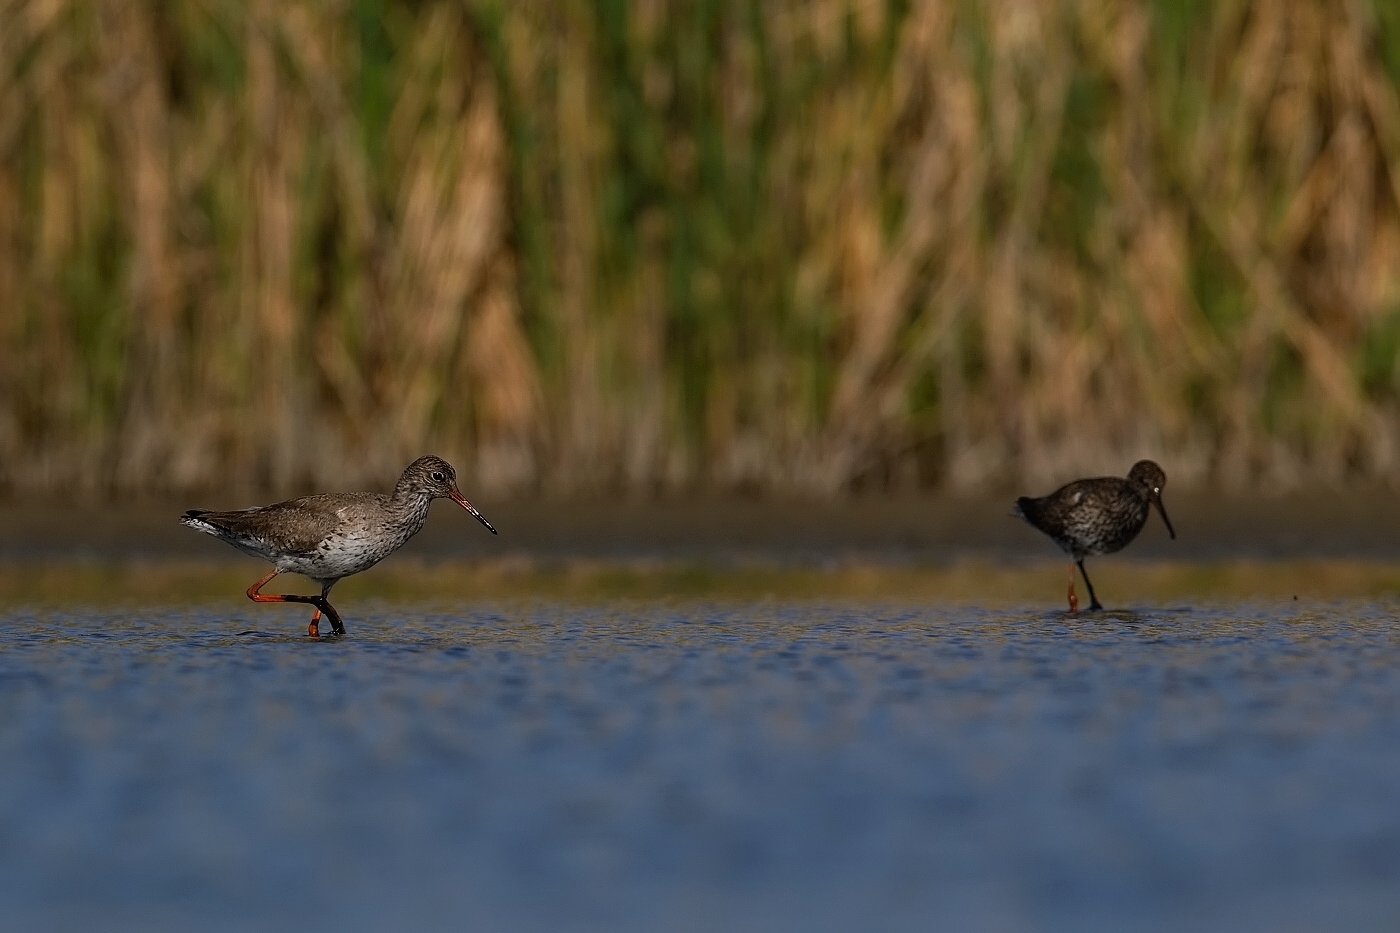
646 767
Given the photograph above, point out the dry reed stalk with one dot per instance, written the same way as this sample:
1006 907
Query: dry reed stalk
152 395
879 277
1299 227
277 125
643 463
449 222
503 382
581 424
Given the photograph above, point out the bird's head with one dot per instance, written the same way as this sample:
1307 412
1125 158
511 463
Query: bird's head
1149 478
434 477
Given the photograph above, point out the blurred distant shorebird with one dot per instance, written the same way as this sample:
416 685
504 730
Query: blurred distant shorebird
1097 516
332 536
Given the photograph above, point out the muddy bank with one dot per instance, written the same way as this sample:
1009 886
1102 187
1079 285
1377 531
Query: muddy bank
937 531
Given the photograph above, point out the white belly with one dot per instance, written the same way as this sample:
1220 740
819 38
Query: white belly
342 555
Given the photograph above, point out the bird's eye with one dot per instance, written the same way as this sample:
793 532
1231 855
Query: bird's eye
437 476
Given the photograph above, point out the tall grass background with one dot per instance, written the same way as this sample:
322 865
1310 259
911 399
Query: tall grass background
806 246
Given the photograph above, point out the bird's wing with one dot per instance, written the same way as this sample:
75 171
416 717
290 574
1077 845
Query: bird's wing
296 526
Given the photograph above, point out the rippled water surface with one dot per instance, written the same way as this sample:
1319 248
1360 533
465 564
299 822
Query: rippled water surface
764 766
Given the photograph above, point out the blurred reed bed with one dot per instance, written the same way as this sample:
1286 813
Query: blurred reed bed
775 245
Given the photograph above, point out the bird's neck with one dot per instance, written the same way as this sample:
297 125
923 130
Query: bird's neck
406 490
412 505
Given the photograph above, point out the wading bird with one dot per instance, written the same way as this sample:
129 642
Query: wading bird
1096 516
332 536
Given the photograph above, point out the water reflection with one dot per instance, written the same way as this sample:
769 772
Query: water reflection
736 766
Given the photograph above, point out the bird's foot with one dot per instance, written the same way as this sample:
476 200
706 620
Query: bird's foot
337 626
313 630
1074 599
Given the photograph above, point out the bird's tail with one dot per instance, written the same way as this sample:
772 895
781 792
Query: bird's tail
194 519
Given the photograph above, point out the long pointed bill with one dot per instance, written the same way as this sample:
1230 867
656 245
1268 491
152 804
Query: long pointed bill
461 500
1156 499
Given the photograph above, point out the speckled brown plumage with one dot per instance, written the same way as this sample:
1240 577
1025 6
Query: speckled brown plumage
332 536
1097 516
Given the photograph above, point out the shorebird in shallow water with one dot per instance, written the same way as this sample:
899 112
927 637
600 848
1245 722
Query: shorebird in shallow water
1097 516
335 535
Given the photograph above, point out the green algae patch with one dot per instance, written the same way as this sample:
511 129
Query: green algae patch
1121 584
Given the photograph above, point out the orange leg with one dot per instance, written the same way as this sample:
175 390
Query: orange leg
320 602
1073 596
257 597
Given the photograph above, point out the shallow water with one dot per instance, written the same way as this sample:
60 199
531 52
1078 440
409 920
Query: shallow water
754 766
